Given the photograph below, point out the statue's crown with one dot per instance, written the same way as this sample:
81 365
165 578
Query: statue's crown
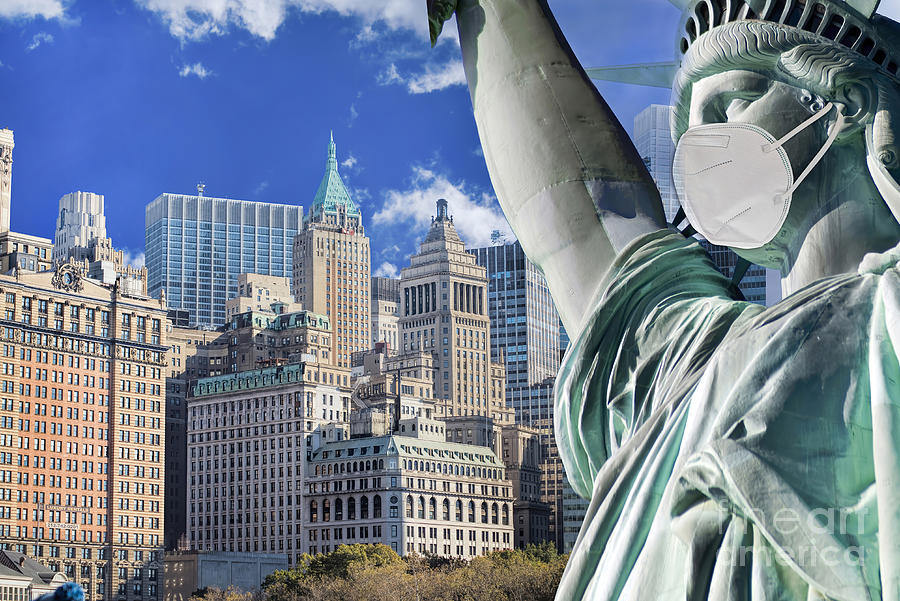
851 23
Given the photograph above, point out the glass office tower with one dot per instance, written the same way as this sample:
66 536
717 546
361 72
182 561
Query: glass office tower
196 246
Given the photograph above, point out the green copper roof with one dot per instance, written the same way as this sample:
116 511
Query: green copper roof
250 379
332 192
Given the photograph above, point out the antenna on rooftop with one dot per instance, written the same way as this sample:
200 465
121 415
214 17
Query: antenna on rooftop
200 188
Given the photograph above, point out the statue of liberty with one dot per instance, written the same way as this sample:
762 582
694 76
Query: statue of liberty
729 451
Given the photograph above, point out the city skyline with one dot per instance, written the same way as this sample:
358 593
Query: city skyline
153 98
248 110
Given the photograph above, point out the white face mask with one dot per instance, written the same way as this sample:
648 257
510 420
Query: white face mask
735 180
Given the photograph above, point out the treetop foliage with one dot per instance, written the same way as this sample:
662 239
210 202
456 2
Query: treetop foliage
376 573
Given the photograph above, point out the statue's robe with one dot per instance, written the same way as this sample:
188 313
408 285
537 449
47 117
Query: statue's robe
732 451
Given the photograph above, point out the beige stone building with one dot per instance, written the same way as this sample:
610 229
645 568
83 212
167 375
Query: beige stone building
193 354
332 266
384 312
258 292
82 430
389 381
249 435
25 252
412 491
444 312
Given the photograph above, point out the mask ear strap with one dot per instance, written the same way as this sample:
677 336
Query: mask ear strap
740 269
832 135
680 216
825 110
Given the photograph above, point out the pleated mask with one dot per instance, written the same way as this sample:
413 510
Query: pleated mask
735 180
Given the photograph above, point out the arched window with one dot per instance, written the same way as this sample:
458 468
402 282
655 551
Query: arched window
505 514
471 511
338 509
459 516
446 510
409 507
484 515
355 467
432 509
381 464
313 511
351 508
421 513
326 510
364 508
368 466
376 506
494 517
317 470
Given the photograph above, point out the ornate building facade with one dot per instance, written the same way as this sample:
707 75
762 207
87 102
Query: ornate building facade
411 491
82 431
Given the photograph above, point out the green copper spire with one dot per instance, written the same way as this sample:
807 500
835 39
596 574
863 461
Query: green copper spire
332 195
331 165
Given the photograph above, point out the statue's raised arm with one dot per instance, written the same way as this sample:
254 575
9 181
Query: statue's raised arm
730 451
571 183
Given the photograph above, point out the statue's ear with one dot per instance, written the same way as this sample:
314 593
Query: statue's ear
883 155
859 101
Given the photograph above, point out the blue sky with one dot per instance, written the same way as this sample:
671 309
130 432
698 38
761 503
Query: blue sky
132 98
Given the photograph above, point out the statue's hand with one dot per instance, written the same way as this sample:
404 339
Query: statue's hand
438 12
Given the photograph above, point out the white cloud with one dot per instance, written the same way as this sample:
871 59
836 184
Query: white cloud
391 252
196 69
349 162
475 214
389 76
30 9
135 260
197 19
41 37
437 78
259 189
386 270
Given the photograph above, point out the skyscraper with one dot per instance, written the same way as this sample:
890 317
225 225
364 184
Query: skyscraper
332 266
525 334
7 142
80 220
196 246
524 321
444 310
653 140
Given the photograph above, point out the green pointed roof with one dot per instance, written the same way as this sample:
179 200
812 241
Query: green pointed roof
332 192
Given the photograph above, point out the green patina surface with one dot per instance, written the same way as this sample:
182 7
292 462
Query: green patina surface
250 380
332 194
285 321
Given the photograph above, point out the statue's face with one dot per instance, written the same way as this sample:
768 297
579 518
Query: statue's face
740 96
